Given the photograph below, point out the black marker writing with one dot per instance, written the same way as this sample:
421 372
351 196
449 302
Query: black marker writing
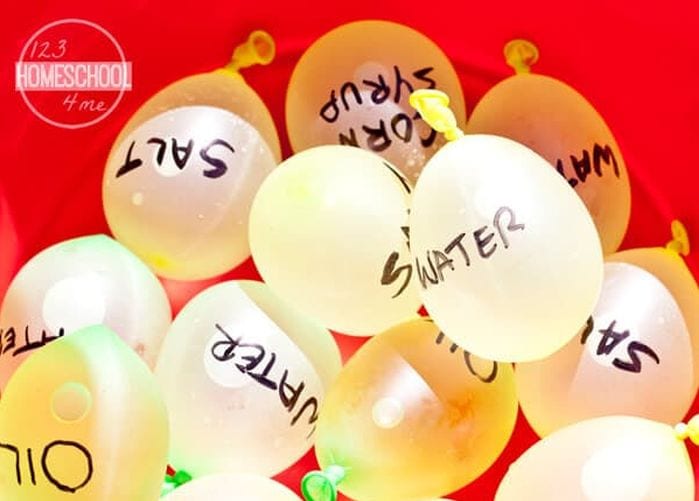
611 339
583 166
248 356
180 152
8 341
50 476
467 360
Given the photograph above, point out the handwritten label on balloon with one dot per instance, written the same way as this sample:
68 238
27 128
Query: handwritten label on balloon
254 350
453 348
61 484
249 356
441 261
589 162
8 341
611 338
376 92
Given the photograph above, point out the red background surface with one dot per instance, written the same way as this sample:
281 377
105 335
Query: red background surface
638 64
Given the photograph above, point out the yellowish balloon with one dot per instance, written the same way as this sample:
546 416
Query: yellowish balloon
666 263
243 376
606 458
223 88
181 175
558 123
82 419
506 255
77 283
232 487
411 417
328 232
351 87
634 357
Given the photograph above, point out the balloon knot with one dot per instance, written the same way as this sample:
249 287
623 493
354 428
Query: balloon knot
680 238
259 48
174 481
521 54
688 431
433 106
322 485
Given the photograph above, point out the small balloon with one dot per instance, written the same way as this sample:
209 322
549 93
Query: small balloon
232 487
83 419
558 123
606 458
634 357
328 232
411 417
351 87
506 255
77 283
243 376
207 140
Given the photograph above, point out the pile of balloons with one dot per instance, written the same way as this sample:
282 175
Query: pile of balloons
505 227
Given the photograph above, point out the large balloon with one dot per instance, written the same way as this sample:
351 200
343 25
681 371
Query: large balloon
82 419
352 86
328 232
667 265
232 487
243 377
634 357
607 458
77 283
507 256
559 124
181 176
411 417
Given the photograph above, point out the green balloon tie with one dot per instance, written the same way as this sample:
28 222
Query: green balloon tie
172 482
322 485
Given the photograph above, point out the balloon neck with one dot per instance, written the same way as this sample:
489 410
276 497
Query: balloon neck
680 238
322 485
174 481
690 430
433 106
259 48
521 55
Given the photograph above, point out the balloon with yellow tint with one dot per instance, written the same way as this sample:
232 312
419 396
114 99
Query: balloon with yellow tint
411 417
328 232
232 487
637 354
507 258
558 123
183 171
614 457
351 87
82 419
77 283
243 376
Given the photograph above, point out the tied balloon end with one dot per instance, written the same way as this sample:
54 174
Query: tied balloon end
689 430
433 106
174 481
259 48
680 238
322 485
521 55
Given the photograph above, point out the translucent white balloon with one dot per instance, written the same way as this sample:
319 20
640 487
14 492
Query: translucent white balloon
507 256
230 487
328 232
243 376
177 190
634 357
78 283
603 459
